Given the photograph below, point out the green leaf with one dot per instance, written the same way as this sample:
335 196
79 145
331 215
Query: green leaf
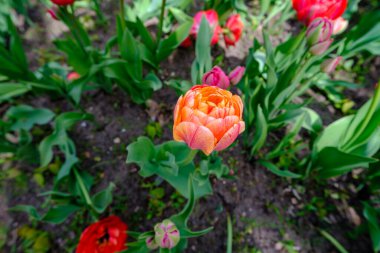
145 35
59 214
25 117
372 218
30 210
103 199
261 131
129 50
142 152
334 162
168 45
10 90
275 170
333 241
202 62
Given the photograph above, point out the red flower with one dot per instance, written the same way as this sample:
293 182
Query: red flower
62 2
308 10
213 20
105 236
235 28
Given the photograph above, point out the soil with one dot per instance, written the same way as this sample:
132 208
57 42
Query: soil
265 208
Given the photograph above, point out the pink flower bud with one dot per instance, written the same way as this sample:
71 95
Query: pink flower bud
319 30
151 243
320 48
73 76
330 65
166 234
339 25
236 75
216 77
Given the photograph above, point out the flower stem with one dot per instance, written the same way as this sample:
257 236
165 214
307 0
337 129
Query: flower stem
122 14
161 24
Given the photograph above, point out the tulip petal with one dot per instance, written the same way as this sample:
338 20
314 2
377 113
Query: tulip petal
229 137
220 126
196 137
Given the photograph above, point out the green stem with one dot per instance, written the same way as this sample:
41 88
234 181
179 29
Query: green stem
83 188
99 12
122 14
161 24
188 159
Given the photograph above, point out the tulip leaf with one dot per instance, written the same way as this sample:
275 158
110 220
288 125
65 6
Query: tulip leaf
166 161
59 213
275 170
103 199
261 131
25 117
372 218
334 162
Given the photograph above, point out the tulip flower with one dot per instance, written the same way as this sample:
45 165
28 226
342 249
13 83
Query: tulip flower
208 118
329 66
308 10
62 2
73 76
318 35
216 77
234 29
339 25
213 20
166 234
236 75
107 235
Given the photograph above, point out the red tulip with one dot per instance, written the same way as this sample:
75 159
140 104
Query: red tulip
187 42
234 27
105 236
62 2
213 20
308 10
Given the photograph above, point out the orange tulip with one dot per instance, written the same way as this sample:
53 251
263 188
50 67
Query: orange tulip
208 118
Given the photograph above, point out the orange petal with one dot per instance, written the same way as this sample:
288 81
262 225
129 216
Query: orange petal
195 136
177 110
220 126
229 137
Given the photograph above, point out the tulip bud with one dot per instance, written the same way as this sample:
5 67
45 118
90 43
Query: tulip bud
320 48
151 243
236 75
319 30
330 65
166 234
339 25
216 77
73 76
318 35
